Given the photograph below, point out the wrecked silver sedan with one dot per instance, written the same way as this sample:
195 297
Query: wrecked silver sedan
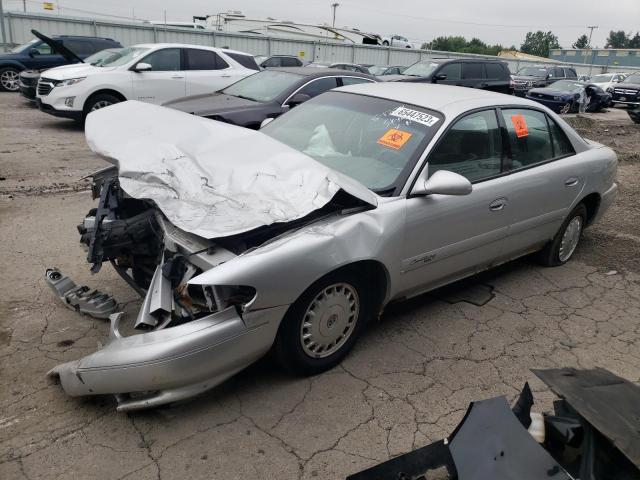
294 237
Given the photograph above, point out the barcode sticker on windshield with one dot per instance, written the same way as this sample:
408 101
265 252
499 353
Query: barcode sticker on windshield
415 116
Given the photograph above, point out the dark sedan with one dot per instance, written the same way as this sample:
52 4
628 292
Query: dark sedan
266 94
627 92
569 96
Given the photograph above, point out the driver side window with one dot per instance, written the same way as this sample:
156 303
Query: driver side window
472 147
164 60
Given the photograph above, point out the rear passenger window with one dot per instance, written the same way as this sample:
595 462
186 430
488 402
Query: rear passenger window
204 60
317 87
472 147
271 62
570 73
291 62
561 144
557 73
528 137
165 60
472 70
451 70
494 70
247 61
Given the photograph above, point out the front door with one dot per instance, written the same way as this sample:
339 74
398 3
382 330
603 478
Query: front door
449 237
164 82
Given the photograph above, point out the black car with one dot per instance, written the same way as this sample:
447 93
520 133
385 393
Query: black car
278 61
627 92
40 54
266 94
569 96
540 76
28 80
350 67
485 74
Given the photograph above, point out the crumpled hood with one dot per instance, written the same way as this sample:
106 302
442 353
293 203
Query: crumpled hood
210 178
209 103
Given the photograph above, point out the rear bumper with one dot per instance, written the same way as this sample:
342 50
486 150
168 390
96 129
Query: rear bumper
46 108
172 364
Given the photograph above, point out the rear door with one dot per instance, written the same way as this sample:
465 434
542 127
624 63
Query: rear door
81 47
473 75
545 175
166 79
497 77
207 72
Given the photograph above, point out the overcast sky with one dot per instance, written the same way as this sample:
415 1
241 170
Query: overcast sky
494 21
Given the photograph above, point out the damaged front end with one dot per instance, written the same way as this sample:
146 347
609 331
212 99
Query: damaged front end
194 336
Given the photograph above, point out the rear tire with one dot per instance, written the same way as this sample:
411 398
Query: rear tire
385 44
560 250
323 324
9 79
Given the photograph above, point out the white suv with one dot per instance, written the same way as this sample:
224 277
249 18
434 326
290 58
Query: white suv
154 73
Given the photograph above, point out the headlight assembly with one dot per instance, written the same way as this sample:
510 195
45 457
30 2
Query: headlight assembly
70 81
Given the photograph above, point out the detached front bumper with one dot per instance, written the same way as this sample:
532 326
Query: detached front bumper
171 364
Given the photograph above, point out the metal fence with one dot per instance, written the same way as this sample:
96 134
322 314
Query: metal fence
18 26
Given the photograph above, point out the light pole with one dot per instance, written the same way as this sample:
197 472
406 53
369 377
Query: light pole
335 7
591 33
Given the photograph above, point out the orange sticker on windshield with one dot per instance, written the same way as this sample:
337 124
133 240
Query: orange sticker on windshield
394 138
520 125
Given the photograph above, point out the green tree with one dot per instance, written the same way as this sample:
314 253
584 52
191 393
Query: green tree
539 43
460 44
634 42
582 42
617 39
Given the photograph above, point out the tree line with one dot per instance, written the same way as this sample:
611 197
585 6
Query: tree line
535 43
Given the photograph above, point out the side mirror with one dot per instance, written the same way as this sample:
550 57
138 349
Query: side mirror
440 76
298 98
266 122
33 52
142 67
443 182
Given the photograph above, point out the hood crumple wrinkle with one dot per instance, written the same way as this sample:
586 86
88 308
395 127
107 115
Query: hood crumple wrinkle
210 178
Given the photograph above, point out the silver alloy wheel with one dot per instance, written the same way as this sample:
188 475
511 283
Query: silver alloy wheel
566 108
9 80
570 238
329 320
99 105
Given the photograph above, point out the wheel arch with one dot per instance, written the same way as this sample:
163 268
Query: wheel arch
592 204
107 91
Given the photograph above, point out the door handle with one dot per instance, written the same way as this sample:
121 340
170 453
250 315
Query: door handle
571 182
225 76
498 204
177 76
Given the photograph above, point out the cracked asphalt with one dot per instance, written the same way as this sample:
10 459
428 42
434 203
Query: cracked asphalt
406 384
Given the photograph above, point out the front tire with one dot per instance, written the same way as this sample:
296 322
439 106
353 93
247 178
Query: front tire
385 44
560 250
322 326
9 79
96 102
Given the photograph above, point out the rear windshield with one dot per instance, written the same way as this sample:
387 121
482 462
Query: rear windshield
263 86
247 61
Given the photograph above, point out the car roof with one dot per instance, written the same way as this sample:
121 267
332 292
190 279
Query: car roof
87 37
320 72
463 60
447 99
187 45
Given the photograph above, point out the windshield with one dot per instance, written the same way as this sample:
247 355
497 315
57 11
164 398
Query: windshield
375 141
533 72
601 79
24 46
633 78
260 58
263 86
100 57
377 69
566 86
123 57
421 69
